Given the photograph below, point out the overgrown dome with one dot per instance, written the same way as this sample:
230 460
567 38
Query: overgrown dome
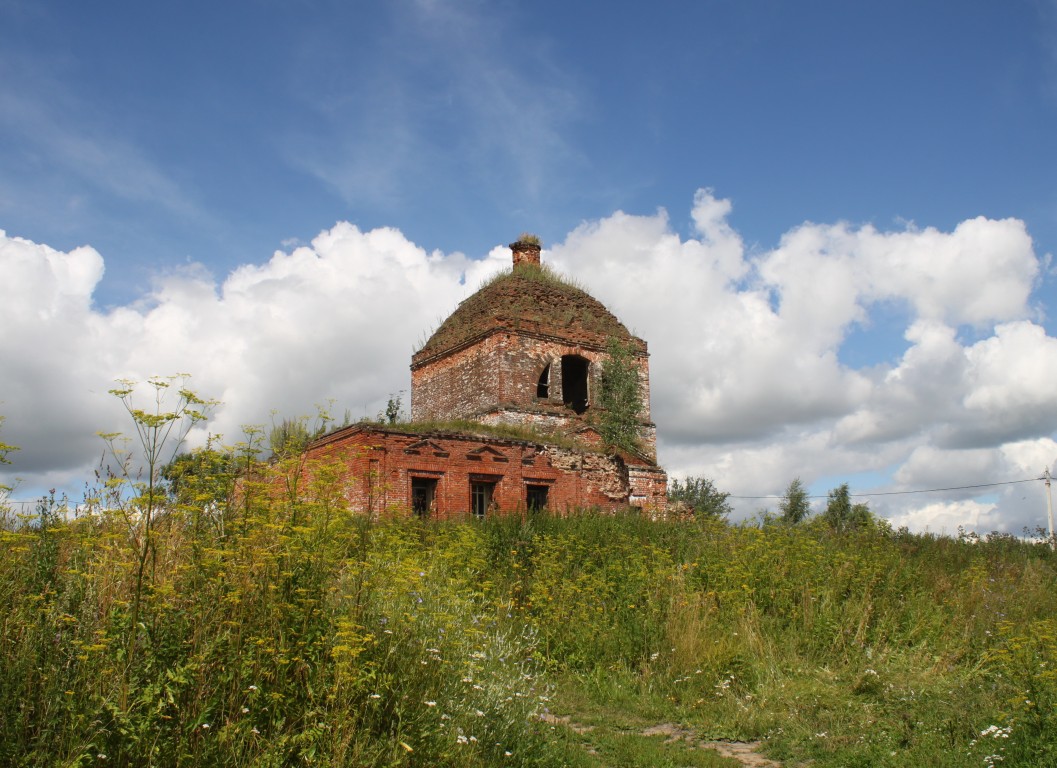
532 300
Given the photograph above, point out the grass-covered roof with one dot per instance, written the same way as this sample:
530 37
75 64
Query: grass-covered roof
528 299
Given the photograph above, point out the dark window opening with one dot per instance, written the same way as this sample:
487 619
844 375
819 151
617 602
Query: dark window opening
481 498
536 497
544 385
423 494
574 382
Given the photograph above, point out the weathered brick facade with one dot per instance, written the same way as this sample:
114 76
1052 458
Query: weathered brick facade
386 466
498 381
527 350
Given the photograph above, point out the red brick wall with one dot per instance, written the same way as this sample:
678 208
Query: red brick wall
649 487
461 384
503 369
380 465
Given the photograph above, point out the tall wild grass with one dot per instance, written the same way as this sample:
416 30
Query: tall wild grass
275 627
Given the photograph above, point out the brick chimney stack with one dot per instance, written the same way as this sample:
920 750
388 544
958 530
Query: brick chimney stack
526 250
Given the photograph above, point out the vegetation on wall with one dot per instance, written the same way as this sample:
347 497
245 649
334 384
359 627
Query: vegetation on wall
536 273
533 293
518 432
620 399
394 409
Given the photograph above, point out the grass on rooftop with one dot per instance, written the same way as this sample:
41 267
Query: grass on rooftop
467 427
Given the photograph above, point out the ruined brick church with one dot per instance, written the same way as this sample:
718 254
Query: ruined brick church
504 410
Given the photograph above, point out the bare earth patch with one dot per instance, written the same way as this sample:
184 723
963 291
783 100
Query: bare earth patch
745 752
568 723
742 751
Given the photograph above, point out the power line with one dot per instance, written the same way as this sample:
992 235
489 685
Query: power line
24 504
901 493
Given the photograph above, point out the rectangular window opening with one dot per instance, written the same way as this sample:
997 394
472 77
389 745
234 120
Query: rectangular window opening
536 497
423 496
481 494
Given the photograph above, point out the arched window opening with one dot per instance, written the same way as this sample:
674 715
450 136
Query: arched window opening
574 382
544 385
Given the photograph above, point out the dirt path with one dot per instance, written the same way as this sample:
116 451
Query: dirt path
742 751
745 752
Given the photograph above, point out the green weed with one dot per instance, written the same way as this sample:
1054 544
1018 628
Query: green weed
271 625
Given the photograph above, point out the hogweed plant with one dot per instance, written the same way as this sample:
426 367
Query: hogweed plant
133 484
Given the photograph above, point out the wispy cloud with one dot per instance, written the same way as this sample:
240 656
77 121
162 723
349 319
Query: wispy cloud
1047 31
81 148
437 90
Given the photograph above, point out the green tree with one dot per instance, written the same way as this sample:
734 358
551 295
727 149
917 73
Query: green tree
701 496
841 514
621 397
184 474
794 505
289 436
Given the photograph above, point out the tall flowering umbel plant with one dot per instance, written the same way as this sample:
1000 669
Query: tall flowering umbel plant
5 449
134 486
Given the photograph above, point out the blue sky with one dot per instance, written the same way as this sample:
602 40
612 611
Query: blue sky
190 142
216 131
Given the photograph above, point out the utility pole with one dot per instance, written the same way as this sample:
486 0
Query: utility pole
1049 509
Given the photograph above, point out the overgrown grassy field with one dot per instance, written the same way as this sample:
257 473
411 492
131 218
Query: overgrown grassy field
264 624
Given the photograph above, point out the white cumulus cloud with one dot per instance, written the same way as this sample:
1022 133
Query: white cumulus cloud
750 380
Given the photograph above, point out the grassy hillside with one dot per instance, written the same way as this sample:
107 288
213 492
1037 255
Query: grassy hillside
264 624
